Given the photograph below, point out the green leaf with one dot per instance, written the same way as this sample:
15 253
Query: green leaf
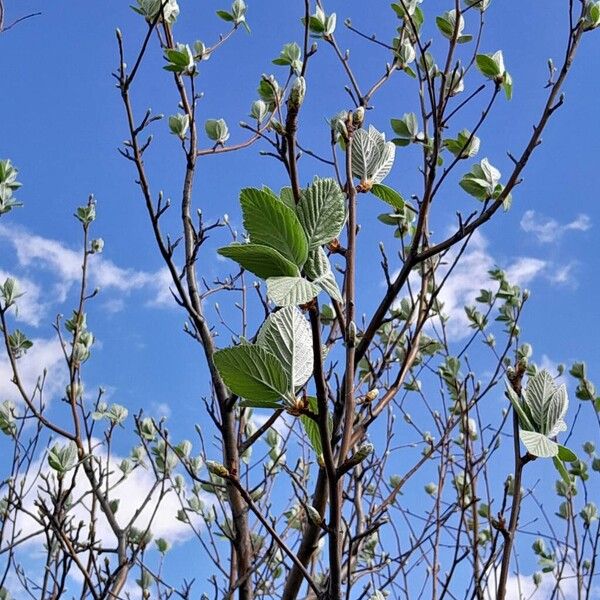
318 269
271 223
286 195
516 402
259 404
290 291
286 334
487 65
507 86
464 146
311 427
405 128
560 467
387 194
217 130
253 373
225 15
482 181
322 212
263 261
565 454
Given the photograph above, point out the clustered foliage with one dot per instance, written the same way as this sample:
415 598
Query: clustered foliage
309 477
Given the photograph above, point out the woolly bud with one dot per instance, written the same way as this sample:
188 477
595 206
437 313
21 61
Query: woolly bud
216 468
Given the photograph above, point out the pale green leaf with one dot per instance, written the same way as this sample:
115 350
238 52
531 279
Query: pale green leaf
286 334
312 428
290 291
318 269
538 444
516 402
538 395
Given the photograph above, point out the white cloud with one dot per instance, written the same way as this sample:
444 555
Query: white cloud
132 492
45 354
548 230
524 269
471 274
36 253
521 587
31 305
563 274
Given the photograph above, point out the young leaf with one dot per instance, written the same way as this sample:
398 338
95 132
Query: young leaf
271 223
318 269
263 261
488 66
322 212
372 156
406 128
560 467
524 419
387 194
565 454
311 427
538 444
538 395
286 334
290 291
252 373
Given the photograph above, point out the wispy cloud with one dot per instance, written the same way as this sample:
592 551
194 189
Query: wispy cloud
46 355
36 254
471 274
547 230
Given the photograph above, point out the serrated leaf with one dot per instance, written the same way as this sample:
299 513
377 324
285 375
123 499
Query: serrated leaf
263 261
270 222
538 395
363 147
318 269
253 373
385 162
538 444
290 291
322 212
387 194
524 419
372 156
287 197
555 411
286 334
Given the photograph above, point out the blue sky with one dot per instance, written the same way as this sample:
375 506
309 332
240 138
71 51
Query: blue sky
63 121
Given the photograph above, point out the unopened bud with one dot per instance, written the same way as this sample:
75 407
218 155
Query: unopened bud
313 515
363 452
216 468
358 117
297 93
